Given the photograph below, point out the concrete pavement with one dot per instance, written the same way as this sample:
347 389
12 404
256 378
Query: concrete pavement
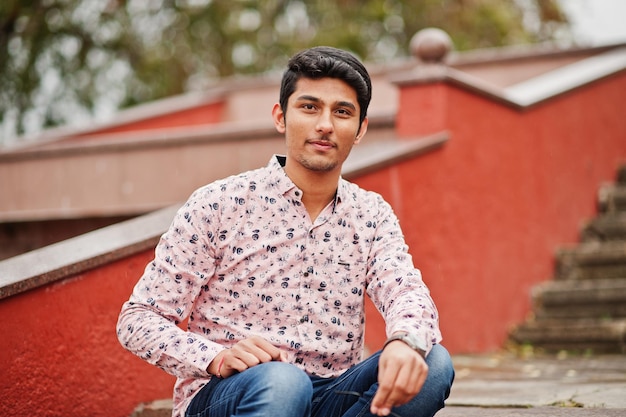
506 384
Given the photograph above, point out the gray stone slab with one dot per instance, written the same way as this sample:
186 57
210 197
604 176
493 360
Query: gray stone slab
537 393
507 381
530 412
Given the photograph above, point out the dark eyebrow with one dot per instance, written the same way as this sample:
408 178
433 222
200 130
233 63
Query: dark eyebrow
308 98
317 100
347 104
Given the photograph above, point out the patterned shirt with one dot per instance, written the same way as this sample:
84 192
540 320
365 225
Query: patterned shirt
243 258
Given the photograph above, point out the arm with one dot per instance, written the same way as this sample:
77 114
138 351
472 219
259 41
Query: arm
396 286
164 296
184 264
399 293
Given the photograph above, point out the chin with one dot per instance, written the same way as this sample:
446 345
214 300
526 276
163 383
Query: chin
319 164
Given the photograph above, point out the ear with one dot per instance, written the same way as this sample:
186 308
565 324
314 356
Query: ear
279 118
361 132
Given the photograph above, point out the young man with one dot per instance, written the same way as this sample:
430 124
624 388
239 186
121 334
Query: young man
271 267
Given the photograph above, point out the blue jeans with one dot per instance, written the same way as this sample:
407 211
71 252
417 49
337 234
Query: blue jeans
280 389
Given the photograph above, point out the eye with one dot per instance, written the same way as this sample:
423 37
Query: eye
343 112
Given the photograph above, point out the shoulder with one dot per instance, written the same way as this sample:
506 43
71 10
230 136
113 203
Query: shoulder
359 197
228 187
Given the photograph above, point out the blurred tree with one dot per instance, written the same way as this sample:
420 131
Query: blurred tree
64 61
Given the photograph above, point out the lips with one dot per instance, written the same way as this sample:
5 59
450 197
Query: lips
322 144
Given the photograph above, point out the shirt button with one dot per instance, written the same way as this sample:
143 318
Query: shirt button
306 274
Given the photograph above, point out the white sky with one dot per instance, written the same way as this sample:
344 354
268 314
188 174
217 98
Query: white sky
596 21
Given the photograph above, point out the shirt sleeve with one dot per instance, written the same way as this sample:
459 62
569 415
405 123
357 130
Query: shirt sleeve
396 286
148 324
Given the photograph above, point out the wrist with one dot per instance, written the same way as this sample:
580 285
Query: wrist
409 339
215 367
219 367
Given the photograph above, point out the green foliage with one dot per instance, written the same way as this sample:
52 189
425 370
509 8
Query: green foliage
68 60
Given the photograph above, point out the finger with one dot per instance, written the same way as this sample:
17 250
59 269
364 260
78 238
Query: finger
251 358
387 373
401 377
417 377
379 404
274 353
239 359
232 365
422 374
261 350
407 384
410 380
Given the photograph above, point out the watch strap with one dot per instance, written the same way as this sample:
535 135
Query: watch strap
406 339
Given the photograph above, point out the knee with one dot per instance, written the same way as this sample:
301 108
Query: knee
285 380
440 369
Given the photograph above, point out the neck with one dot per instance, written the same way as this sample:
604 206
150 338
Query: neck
318 188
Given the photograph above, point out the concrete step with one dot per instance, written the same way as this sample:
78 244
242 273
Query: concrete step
575 335
584 308
157 408
592 260
621 175
612 198
606 227
597 298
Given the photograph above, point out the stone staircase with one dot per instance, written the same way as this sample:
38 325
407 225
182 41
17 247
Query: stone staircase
584 308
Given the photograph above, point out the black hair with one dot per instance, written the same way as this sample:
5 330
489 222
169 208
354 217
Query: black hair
325 61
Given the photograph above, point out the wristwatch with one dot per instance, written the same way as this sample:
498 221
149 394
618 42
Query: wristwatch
411 340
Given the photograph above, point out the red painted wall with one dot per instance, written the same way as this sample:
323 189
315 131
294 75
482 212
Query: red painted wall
205 114
484 215
59 354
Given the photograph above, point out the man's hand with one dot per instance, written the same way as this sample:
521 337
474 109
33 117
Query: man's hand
401 375
243 355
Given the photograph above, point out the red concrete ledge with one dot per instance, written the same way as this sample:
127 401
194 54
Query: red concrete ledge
103 246
72 256
369 157
126 166
531 92
231 131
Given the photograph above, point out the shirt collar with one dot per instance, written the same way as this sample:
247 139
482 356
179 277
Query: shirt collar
278 177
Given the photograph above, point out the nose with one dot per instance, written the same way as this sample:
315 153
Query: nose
325 123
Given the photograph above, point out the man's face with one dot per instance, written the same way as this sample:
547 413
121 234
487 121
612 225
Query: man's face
322 124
